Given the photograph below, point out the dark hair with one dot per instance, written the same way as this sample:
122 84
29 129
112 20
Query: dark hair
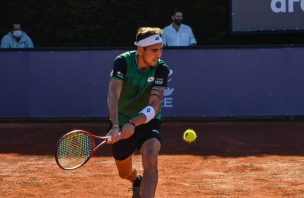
14 23
175 11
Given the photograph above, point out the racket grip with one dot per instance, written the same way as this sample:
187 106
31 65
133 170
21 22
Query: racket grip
109 138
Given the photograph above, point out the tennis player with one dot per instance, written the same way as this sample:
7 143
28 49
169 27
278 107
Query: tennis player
135 96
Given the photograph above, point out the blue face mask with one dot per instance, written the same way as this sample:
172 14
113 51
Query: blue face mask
17 33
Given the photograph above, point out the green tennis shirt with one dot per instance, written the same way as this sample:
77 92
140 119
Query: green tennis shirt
137 84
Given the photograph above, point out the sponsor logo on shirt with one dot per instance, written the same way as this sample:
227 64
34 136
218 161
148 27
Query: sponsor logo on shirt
119 74
159 81
155 131
150 79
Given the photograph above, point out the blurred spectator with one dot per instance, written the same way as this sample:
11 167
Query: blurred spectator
178 34
16 38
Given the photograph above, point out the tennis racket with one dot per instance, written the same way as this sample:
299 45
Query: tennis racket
75 148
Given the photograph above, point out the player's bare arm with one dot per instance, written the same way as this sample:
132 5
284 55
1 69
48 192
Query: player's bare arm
155 102
115 88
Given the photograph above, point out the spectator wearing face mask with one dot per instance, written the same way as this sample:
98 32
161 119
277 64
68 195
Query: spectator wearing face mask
16 38
177 33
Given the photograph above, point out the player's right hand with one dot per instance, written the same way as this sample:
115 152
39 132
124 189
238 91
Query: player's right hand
115 135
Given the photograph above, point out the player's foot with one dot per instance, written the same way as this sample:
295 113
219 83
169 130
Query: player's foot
136 187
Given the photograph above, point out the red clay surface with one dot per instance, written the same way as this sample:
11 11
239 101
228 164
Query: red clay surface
229 159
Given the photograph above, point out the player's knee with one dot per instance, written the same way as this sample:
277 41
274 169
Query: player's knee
150 160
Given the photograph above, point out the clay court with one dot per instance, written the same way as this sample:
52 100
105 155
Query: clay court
229 159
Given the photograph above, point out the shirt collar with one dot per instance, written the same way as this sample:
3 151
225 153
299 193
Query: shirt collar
181 27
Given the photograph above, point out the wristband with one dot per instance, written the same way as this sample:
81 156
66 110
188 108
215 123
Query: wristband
115 125
149 112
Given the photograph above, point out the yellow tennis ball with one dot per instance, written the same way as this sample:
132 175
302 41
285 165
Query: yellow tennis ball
189 136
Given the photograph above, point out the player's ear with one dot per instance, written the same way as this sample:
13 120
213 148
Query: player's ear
140 51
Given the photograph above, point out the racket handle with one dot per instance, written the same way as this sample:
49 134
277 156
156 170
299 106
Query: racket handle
108 138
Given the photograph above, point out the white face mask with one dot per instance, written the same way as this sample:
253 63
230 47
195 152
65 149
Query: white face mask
17 33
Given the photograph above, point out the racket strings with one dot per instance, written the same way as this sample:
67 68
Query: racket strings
74 150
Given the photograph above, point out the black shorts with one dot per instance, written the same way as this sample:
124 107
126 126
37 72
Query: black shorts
126 147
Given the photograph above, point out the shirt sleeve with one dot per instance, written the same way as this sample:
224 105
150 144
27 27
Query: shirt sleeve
29 43
4 42
119 68
161 76
192 38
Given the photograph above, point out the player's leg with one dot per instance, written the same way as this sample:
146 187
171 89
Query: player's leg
122 152
149 151
126 169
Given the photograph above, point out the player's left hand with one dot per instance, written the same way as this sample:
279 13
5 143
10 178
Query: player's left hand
127 131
